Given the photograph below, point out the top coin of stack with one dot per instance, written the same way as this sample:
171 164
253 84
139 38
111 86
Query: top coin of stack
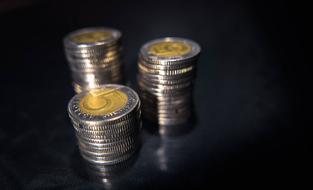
94 56
107 123
166 72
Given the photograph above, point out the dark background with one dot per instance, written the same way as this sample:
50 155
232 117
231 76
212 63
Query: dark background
251 116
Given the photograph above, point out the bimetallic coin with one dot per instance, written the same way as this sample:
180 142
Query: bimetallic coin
76 111
107 123
94 56
91 37
103 101
170 49
87 37
166 73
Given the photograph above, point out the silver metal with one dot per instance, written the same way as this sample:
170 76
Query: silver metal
94 63
110 138
195 51
115 34
133 101
166 82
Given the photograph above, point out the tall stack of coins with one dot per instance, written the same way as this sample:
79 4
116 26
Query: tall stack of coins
166 73
94 56
107 123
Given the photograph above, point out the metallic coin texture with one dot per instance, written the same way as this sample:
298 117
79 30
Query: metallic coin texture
166 73
107 123
94 57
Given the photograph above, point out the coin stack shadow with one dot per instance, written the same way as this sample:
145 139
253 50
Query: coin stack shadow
166 72
107 124
94 57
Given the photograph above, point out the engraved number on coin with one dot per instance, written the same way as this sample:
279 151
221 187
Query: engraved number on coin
168 49
92 37
103 101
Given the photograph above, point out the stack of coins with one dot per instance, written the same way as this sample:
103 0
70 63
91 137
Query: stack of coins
107 123
166 72
94 56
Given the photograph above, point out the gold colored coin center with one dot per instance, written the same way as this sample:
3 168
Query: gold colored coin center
92 37
103 101
169 49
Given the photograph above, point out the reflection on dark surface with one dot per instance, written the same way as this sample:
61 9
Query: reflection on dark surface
172 130
100 176
164 154
108 174
110 171
179 130
170 145
251 122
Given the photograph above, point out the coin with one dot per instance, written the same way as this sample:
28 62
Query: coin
94 51
88 37
107 123
166 73
91 37
170 50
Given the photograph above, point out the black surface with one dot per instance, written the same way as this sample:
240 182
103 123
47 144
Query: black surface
250 119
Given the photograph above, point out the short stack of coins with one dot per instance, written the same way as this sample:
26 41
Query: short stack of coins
166 72
94 56
107 123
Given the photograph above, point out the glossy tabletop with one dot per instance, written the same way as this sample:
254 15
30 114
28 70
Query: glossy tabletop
247 100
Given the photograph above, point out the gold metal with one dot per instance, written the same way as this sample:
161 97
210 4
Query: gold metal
169 49
103 101
92 37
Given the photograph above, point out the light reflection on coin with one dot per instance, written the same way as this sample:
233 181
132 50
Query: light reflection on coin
169 49
107 123
91 37
94 51
167 69
103 101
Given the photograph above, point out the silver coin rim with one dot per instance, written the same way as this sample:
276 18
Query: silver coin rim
195 49
116 34
133 101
